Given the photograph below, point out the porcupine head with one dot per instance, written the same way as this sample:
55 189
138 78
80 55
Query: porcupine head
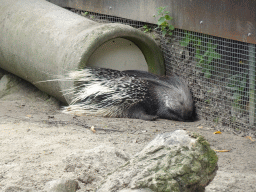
168 96
174 99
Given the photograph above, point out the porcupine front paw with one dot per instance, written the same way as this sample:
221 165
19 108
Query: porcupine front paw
138 112
149 117
144 117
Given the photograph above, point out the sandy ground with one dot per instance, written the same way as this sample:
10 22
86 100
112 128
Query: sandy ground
36 139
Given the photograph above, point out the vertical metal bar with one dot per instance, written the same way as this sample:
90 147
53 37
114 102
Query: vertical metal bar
252 80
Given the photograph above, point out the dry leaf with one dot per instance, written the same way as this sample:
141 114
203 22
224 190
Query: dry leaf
221 150
217 132
200 127
68 109
92 129
249 137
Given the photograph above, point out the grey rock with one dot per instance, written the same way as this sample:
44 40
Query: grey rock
3 83
70 168
62 185
13 189
17 189
171 162
90 167
135 190
178 138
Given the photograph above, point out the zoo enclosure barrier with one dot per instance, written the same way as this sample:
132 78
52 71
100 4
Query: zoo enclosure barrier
220 71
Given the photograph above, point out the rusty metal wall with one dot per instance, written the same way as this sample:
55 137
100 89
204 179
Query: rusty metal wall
231 19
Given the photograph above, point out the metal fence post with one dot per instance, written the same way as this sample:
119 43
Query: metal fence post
252 88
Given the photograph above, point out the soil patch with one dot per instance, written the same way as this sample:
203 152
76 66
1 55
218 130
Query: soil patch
36 139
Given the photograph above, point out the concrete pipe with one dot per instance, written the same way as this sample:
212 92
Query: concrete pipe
40 41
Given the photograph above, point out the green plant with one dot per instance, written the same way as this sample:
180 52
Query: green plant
216 120
205 53
84 14
163 21
237 84
146 29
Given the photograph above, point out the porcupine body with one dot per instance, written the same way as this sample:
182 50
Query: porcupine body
130 94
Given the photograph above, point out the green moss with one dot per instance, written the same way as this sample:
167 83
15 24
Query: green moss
208 153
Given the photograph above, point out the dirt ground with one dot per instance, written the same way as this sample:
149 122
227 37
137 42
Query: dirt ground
36 138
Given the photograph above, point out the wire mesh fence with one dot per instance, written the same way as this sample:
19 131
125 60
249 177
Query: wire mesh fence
220 72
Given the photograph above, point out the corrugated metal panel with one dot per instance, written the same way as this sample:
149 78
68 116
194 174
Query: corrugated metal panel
223 18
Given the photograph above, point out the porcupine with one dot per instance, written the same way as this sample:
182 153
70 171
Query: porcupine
130 94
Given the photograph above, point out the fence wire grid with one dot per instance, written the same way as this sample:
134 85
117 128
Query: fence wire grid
219 71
